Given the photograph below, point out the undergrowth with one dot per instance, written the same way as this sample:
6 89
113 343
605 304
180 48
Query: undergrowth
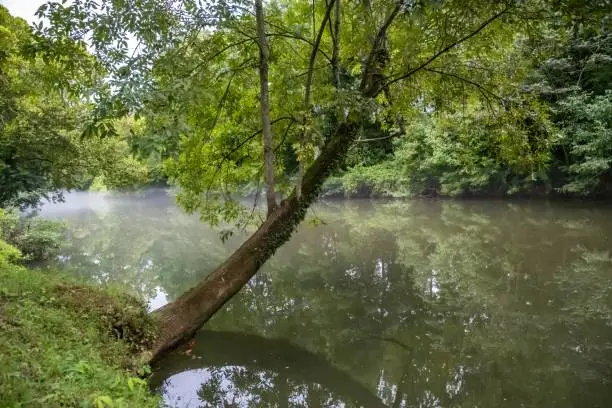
69 345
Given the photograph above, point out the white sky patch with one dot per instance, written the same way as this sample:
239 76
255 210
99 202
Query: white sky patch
26 9
23 8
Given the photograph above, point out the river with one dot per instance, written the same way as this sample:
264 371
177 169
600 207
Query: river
374 303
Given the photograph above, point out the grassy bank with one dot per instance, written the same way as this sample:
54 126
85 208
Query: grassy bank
64 344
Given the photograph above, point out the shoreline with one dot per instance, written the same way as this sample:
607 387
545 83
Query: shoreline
69 344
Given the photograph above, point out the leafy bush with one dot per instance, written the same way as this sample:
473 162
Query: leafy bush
462 154
8 253
36 238
380 180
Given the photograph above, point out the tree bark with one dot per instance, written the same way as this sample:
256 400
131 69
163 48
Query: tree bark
268 150
335 60
181 319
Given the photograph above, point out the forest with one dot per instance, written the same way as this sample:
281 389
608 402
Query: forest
250 114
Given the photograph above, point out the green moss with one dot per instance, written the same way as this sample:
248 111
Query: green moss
69 345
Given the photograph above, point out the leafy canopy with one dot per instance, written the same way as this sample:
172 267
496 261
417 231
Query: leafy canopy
42 113
190 68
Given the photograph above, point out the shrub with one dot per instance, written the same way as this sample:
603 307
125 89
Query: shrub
37 239
8 253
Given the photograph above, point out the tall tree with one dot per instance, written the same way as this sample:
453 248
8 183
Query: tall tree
268 151
194 61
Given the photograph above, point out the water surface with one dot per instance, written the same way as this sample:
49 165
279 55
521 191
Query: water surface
376 304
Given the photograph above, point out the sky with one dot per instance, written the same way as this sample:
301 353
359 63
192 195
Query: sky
23 8
26 9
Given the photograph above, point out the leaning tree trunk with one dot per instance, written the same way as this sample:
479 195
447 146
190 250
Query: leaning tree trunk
181 319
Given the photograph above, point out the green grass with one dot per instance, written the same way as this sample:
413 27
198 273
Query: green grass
60 346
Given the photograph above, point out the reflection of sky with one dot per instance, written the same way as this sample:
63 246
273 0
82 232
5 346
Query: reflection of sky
181 390
159 299
228 383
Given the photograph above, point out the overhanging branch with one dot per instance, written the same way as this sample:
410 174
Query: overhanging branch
447 48
215 55
300 38
313 54
369 84
480 87
308 87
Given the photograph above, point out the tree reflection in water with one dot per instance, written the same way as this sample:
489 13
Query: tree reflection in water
249 370
401 304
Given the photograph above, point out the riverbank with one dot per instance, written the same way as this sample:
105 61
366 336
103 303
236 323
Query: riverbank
66 344
351 186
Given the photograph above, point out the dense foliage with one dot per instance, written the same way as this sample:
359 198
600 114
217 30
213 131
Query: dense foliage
477 119
42 119
528 113
36 239
565 149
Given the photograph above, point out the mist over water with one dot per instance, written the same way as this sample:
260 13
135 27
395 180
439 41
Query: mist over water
396 304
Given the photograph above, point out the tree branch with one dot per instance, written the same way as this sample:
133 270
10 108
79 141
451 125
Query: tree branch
255 199
483 89
215 55
286 33
242 143
308 86
227 156
221 103
282 142
225 94
374 139
447 48
313 54
368 81
335 33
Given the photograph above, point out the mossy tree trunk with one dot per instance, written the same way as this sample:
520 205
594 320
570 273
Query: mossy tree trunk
181 319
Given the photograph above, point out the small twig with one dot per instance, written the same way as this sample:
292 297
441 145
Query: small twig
282 142
463 79
374 139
